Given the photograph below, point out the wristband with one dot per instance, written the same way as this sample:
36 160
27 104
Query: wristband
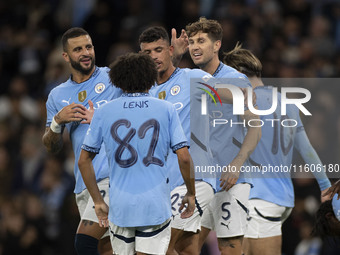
55 127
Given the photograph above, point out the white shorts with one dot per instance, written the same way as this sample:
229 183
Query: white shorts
86 206
266 219
227 213
204 194
149 239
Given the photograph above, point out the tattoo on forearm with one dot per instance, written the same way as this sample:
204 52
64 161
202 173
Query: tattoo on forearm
52 141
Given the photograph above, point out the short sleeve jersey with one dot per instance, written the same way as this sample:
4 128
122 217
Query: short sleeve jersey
138 132
177 91
99 90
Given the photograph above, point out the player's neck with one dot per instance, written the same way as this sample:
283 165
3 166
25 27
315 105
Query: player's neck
164 76
255 81
212 65
79 77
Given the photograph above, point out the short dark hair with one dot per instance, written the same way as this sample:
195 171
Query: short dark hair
243 60
153 34
133 72
321 225
72 33
209 26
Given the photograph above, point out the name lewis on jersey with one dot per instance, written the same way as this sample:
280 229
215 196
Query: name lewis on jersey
136 104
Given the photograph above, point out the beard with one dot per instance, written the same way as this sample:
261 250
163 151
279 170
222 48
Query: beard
77 66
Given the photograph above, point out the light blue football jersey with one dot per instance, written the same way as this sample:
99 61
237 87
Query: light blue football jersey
336 206
275 148
177 91
99 90
138 132
226 140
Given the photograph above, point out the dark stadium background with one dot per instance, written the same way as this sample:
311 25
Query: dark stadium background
292 38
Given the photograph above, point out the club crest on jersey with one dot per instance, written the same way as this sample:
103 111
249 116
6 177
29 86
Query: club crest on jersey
162 95
82 96
99 88
175 90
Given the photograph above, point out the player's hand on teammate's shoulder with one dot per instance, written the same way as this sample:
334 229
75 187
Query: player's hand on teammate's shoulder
188 200
330 192
325 195
70 113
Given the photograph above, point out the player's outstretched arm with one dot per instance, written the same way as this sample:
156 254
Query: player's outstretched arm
253 136
187 169
52 139
309 155
86 168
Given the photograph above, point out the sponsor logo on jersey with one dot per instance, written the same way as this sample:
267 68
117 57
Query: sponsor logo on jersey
175 90
82 96
162 95
99 88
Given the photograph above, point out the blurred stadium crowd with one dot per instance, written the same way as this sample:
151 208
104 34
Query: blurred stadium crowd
292 38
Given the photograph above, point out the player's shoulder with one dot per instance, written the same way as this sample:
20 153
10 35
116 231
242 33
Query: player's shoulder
195 73
101 73
161 105
160 102
61 87
104 69
230 72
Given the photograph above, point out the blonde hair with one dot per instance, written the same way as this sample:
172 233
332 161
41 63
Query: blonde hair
243 60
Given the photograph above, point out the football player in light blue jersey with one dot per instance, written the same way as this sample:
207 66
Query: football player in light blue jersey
227 213
138 132
272 198
67 106
173 85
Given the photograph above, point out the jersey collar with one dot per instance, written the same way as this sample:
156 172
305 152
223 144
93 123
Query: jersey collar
136 94
218 69
171 76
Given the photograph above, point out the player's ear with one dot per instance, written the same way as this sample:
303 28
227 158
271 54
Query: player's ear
66 57
171 50
217 46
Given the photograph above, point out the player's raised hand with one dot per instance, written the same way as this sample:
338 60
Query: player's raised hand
335 189
180 44
190 208
102 212
70 113
88 114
